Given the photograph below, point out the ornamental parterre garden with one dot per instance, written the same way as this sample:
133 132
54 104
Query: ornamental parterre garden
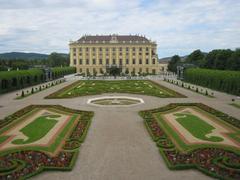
189 135
41 137
94 87
193 135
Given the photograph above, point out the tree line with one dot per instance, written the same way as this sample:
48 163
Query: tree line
53 60
221 59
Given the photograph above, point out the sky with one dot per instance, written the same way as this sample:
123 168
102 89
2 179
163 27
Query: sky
178 26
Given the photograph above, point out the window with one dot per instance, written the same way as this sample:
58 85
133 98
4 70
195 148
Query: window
80 49
146 48
133 61
107 61
106 49
140 61
147 61
87 61
133 48
87 49
80 70
127 61
153 71
100 49
93 49
147 70
74 49
120 49
114 49
114 61
153 61
80 54
75 61
100 61
120 61
94 61
140 49
80 61
126 49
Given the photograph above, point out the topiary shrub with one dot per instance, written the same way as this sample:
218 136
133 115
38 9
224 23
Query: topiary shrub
22 95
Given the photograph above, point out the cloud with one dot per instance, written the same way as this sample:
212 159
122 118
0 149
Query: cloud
179 27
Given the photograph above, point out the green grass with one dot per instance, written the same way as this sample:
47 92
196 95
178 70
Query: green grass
236 104
197 127
94 87
3 138
37 129
182 146
55 143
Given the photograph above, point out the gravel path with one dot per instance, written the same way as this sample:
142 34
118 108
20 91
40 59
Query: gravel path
118 145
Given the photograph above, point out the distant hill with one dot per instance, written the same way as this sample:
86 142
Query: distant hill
167 59
21 55
27 56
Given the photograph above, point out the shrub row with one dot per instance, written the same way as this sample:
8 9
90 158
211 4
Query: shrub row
226 81
13 80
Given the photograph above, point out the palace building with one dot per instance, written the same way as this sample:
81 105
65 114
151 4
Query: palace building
129 54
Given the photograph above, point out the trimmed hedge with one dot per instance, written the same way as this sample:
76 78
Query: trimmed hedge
13 80
61 71
226 81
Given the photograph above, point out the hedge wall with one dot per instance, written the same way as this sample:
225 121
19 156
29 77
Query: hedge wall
226 81
11 80
61 71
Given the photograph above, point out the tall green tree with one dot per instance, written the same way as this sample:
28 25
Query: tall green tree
222 58
174 62
197 57
233 62
56 59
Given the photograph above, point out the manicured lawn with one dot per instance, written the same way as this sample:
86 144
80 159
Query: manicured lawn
37 129
93 87
3 138
196 126
236 104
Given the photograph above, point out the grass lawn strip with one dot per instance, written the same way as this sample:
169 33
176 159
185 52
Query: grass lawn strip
37 129
187 142
197 127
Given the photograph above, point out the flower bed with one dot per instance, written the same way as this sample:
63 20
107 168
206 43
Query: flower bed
216 162
24 163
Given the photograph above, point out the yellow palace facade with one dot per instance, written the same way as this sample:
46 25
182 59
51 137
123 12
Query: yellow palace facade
131 54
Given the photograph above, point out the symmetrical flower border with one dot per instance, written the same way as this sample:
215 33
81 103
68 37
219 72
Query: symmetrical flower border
23 164
215 162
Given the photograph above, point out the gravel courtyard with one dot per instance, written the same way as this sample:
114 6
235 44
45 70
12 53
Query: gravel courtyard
118 145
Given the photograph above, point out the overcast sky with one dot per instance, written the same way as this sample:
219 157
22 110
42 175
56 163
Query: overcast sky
178 26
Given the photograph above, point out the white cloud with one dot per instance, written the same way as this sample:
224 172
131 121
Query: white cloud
178 27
